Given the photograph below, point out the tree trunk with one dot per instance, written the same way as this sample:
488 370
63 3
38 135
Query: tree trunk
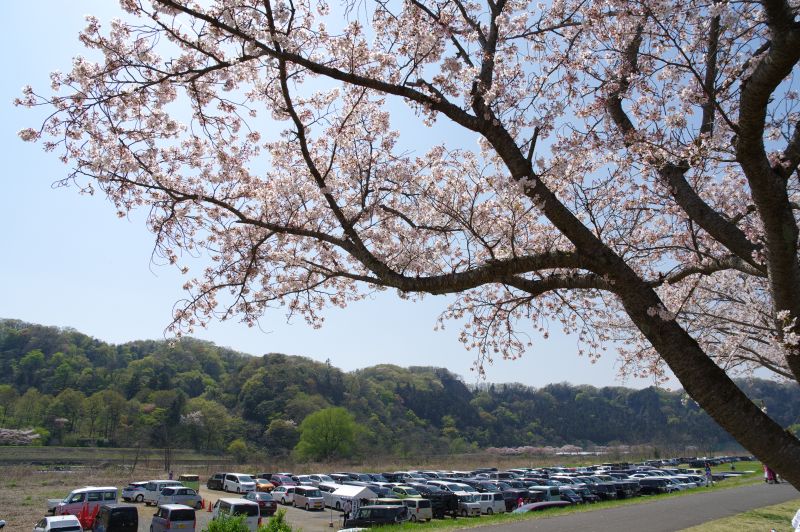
711 388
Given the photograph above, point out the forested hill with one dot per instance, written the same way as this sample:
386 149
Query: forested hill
76 389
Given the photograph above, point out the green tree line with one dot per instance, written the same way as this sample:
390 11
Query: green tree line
76 390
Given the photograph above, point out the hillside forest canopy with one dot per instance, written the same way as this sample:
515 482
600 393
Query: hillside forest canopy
76 390
634 177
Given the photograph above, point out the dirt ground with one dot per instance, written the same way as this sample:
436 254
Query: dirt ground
24 491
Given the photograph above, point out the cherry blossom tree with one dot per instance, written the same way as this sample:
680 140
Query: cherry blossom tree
634 180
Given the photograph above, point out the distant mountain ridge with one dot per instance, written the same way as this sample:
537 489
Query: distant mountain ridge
190 393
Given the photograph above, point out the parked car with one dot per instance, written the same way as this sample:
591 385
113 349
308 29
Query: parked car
266 503
180 495
405 491
418 509
283 494
134 492
282 480
60 523
216 481
153 489
331 500
567 494
492 502
308 497
116 518
655 486
317 478
340 478
249 509
376 515
90 496
468 505
443 503
238 482
264 485
174 517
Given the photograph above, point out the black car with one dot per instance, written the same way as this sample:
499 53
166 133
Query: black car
654 486
443 503
216 481
378 514
116 518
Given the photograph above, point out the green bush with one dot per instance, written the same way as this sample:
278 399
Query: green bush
277 523
227 523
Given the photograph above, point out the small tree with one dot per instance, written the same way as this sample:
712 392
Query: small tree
327 434
238 450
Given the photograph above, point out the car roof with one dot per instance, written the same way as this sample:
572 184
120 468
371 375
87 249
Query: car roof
61 518
176 507
93 488
240 500
118 506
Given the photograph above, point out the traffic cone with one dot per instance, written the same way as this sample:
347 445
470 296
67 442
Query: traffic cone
209 506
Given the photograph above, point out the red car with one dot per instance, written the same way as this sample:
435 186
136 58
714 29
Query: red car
266 504
282 480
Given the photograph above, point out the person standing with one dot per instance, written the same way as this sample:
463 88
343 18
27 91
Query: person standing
709 476
348 508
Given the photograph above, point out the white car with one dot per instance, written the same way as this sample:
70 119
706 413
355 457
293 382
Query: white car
238 482
492 502
180 495
249 509
283 494
60 523
319 477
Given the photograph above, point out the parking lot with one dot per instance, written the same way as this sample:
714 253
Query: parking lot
313 521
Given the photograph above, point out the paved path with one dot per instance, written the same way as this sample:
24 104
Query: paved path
665 515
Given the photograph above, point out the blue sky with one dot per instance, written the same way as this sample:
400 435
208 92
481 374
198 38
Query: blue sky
69 261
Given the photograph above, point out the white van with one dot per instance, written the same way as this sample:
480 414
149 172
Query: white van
238 482
244 507
492 502
418 509
153 489
90 496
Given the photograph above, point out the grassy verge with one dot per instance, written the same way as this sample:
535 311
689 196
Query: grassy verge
743 480
777 517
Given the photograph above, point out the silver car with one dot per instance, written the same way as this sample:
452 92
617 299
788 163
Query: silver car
174 516
180 495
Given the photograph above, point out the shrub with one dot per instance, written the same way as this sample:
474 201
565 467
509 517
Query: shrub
227 523
277 523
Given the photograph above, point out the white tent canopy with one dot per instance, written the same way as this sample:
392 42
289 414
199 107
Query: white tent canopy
354 492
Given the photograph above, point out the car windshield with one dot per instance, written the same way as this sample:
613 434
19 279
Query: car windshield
263 496
410 491
453 487
467 498
245 478
324 478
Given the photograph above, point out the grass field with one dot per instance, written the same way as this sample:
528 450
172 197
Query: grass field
777 518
